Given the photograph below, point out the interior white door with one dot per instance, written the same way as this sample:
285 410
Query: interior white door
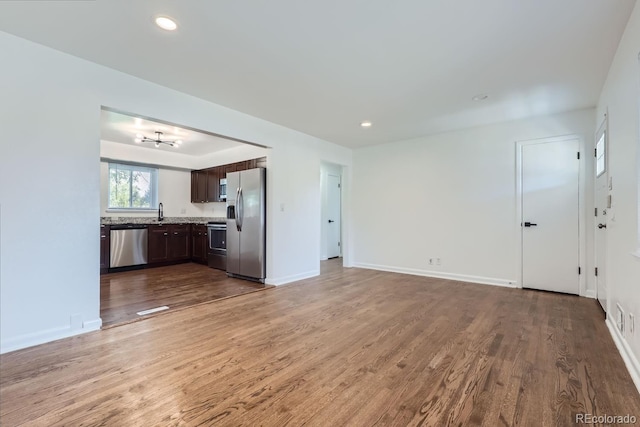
550 216
333 215
601 202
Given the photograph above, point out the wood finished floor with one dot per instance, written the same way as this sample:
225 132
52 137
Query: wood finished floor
351 347
123 294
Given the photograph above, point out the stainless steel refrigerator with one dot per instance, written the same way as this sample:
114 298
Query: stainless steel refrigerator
246 224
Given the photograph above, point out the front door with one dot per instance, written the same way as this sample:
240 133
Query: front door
550 215
601 202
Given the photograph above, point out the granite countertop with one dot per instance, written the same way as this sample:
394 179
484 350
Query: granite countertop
167 220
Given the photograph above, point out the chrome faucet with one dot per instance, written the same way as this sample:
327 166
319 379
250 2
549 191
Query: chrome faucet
160 212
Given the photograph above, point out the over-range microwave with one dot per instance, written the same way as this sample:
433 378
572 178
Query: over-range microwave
223 189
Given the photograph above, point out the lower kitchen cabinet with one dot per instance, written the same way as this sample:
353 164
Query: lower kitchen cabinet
199 243
179 242
105 248
158 244
169 243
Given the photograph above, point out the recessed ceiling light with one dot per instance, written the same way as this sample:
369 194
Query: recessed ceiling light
366 124
480 97
166 23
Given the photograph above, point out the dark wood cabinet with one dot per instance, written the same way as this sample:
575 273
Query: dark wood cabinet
199 243
241 166
158 244
179 242
229 168
205 183
169 243
252 164
105 248
198 186
213 184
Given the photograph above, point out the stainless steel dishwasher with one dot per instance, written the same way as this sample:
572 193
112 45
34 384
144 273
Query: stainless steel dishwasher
129 245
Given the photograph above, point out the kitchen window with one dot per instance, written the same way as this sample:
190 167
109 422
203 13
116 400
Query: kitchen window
132 187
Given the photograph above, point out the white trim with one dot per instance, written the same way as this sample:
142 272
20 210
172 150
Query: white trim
603 128
582 220
293 278
590 293
630 360
41 337
507 283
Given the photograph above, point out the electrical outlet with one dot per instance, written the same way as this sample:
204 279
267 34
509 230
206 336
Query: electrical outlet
430 261
632 325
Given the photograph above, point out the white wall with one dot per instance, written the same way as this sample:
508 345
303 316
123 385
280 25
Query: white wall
452 196
325 170
50 112
620 97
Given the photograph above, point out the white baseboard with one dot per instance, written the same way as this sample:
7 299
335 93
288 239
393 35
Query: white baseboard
590 294
440 275
41 337
293 278
629 358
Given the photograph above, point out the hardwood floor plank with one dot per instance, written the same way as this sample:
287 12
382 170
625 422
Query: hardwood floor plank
124 294
350 347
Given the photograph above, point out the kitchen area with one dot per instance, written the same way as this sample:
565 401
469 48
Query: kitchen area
182 218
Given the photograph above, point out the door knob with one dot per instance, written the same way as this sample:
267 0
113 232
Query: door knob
330 221
530 224
602 225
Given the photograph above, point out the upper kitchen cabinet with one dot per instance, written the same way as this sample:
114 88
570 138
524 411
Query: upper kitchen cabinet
229 168
198 186
205 183
213 184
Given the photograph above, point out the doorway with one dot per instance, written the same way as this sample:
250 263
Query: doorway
331 211
602 203
549 188
171 191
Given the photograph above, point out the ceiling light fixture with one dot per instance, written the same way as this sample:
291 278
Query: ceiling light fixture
166 23
480 97
366 124
141 138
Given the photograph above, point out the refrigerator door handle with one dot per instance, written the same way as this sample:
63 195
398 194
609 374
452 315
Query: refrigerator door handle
240 213
237 213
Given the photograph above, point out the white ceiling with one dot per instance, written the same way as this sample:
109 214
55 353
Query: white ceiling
409 66
122 128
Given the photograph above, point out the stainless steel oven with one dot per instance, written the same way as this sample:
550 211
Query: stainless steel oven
217 253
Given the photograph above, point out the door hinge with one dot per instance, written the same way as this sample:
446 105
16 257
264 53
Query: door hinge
579 270
578 153
338 243
596 211
339 186
595 152
596 271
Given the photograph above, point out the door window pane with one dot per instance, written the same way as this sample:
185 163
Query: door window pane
600 155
